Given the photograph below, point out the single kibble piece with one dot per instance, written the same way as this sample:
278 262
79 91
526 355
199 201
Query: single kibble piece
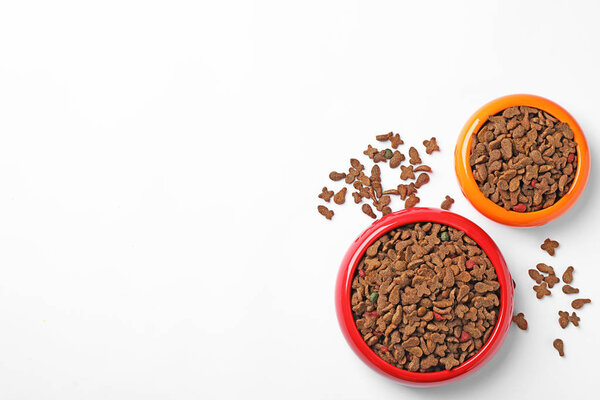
541 290
357 197
523 159
422 179
383 138
340 197
414 156
356 164
368 210
396 141
568 275
551 280
563 319
568 289
447 203
411 201
536 276
545 268
324 211
574 318
370 152
578 303
520 321
549 246
388 153
559 346
380 157
396 159
406 172
422 168
326 194
336 176
431 145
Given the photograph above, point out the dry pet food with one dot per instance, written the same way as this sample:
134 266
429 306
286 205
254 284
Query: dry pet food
520 321
425 297
431 145
559 346
568 289
549 246
340 197
564 318
568 275
447 203
577 304
326 212
369 188
524 159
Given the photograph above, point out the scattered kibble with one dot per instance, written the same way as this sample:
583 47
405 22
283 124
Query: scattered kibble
414 156
568 289
568 275
541 290
549 246
447 203
559 346
520 321
431 145
324 211
340 197
336 176
326 194
578 303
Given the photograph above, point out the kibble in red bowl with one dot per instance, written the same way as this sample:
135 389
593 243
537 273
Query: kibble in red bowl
424 297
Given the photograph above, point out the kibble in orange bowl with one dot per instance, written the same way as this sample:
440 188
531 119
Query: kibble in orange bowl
522 160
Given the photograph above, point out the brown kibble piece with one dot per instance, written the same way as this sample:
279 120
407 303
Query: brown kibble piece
447 203
431 145
536 276
324 211
563 319
380 157
411 201
559 346
568 289
551 280
545 268
340 197
578 303
356 164
326 194
414 156
370 152
549 246
383 138
541 290
336 176
357 197
368 210
568 275
396 159
406 172
422 168
520 321
574 318
396 141
422 179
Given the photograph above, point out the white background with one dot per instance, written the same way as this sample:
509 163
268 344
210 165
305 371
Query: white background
159 169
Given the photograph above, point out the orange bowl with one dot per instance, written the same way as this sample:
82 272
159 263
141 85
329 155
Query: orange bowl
490 209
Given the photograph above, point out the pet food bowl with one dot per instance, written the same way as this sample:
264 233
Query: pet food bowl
344 289
486 206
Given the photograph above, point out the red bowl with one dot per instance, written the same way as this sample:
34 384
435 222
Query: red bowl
344 287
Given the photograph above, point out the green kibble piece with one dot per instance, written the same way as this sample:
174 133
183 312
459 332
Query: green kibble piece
445 236
388 154
373 297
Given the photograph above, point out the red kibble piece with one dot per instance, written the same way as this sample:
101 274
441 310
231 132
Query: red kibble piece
372 314
534 182
520 207
571 157
378 334
361 273
438 317
384 349
469 264
464 336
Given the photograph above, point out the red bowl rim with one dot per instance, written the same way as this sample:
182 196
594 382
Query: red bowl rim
344 287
